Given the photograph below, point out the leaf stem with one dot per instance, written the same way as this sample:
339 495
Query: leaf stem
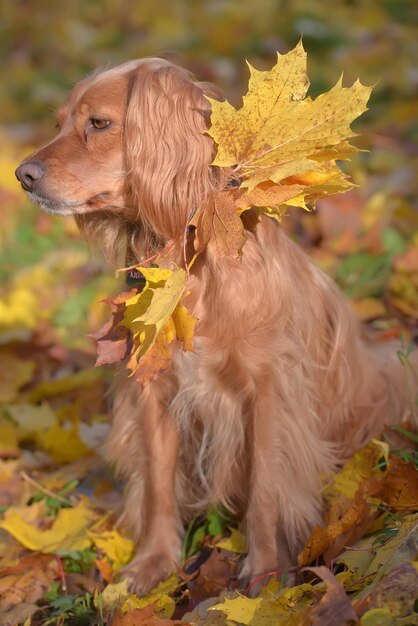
43 489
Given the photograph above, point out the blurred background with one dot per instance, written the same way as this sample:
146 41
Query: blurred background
366 239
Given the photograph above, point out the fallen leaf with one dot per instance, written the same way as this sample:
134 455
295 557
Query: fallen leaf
240 609
363 465
63 444
322 538
18 614
400 487
114 594
334 607
51 388
15 372
285 608
159 597
9 438
144 617
397 592
368 308
407 262
236 542
68 530
26 587
377 617
396 551
118 548
31 418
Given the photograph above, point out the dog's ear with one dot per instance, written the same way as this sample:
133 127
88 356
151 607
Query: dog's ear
167 153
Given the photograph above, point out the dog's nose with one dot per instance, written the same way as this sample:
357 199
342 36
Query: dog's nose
28 173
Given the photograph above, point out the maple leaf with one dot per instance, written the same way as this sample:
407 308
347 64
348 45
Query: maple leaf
334 602
68 531
145 323
282 136
219 225
322 538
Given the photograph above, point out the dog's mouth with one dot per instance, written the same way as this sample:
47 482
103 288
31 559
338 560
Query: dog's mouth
69 207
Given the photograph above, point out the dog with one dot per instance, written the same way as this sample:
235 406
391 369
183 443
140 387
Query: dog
281 386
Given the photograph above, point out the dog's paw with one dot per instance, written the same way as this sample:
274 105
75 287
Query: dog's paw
255 576
146 570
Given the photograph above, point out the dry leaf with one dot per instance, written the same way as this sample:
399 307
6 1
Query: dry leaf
144 324
322 538
236 542
68 530
118 548
15 373
400 487
334 607
144 617
219 226
278 133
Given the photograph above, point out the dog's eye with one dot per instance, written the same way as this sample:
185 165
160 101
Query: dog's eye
99 124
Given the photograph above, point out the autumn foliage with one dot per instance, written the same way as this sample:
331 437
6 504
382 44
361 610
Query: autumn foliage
281 148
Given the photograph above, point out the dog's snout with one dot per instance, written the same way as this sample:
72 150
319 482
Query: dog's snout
30 172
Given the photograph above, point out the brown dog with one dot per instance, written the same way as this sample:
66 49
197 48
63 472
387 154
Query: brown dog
281 386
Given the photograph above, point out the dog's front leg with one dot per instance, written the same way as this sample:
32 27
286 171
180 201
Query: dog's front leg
263 509
144 444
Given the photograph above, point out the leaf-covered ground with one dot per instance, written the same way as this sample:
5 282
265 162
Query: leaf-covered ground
60 549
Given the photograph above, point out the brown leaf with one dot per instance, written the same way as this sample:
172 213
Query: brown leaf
213 575
334 607
267 195
218 224
113 347
18 614
112 338
400 487
407 262
322 538
397 591
29 587
157 359
78 583
105 568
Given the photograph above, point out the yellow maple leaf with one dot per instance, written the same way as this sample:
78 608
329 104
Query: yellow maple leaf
151 320
235 543
114 545
160 596
31 418
279 133
363 464
68 531
185 324
277 610
63 444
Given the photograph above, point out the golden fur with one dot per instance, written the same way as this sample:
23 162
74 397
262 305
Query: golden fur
281 386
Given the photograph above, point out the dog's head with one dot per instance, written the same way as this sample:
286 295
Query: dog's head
130 144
